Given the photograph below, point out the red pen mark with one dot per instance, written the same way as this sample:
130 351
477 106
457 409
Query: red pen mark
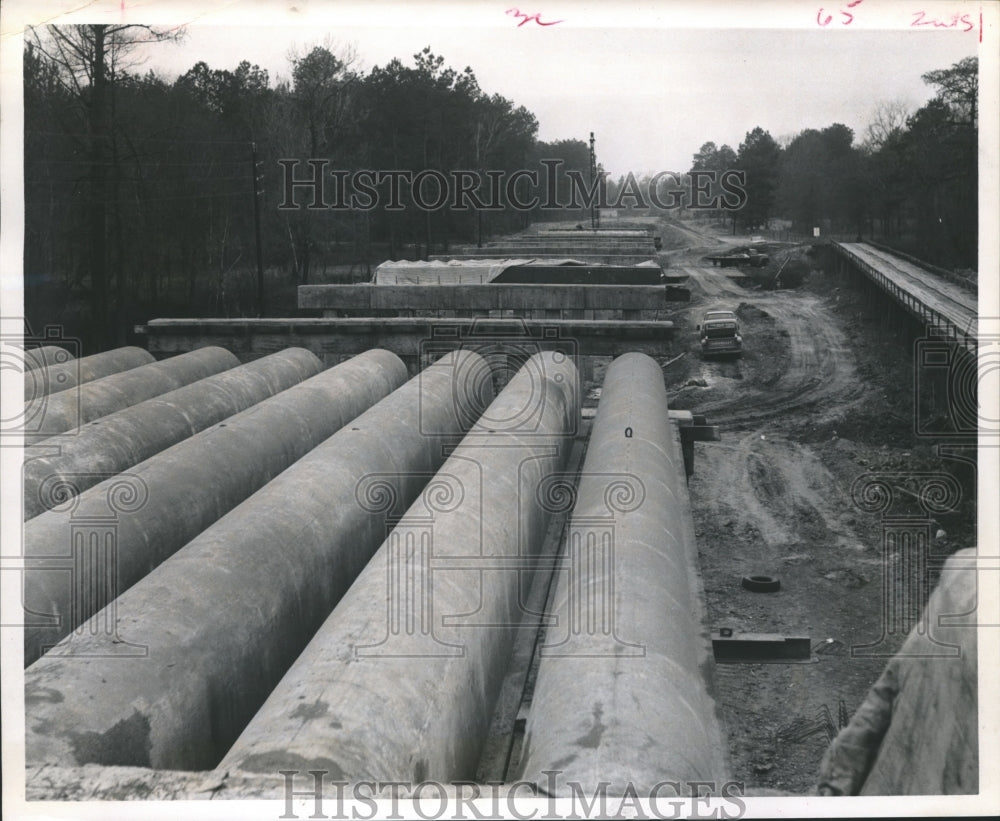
848 17
529 17
963 22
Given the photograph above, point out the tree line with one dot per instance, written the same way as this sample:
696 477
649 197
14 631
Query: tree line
911 180
147 197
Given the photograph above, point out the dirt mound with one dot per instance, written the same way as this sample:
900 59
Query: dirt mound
793 273
787 268
748 311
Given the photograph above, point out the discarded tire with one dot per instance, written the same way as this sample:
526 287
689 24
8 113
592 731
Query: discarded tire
761 584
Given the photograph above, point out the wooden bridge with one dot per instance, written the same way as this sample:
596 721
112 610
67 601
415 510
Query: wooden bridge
948 309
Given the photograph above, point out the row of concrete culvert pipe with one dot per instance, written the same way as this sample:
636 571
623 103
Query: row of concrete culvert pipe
49 414
56 471
624 684
50 369
355 613
108 537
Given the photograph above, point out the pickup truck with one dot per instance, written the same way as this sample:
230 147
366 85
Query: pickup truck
720 334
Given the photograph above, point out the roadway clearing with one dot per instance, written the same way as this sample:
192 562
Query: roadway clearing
821 396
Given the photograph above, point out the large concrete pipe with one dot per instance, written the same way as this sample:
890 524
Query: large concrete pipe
103 541
45 355
622 694
401 680
49 415
111 444
61 372
223 619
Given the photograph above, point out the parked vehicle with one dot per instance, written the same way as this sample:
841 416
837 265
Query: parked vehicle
740 256
720 334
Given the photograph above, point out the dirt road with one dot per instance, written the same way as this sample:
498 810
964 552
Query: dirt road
773 497
815 367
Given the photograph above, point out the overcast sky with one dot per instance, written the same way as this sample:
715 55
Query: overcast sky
652 96
652 80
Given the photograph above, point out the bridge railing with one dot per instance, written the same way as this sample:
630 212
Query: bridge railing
941 324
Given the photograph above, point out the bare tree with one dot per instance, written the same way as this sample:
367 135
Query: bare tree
888 120
88 58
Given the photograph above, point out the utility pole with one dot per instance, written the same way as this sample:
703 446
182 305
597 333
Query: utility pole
479 211
257 192
593 174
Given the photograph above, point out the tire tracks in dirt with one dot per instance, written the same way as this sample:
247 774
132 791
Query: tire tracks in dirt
765 503
821 367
